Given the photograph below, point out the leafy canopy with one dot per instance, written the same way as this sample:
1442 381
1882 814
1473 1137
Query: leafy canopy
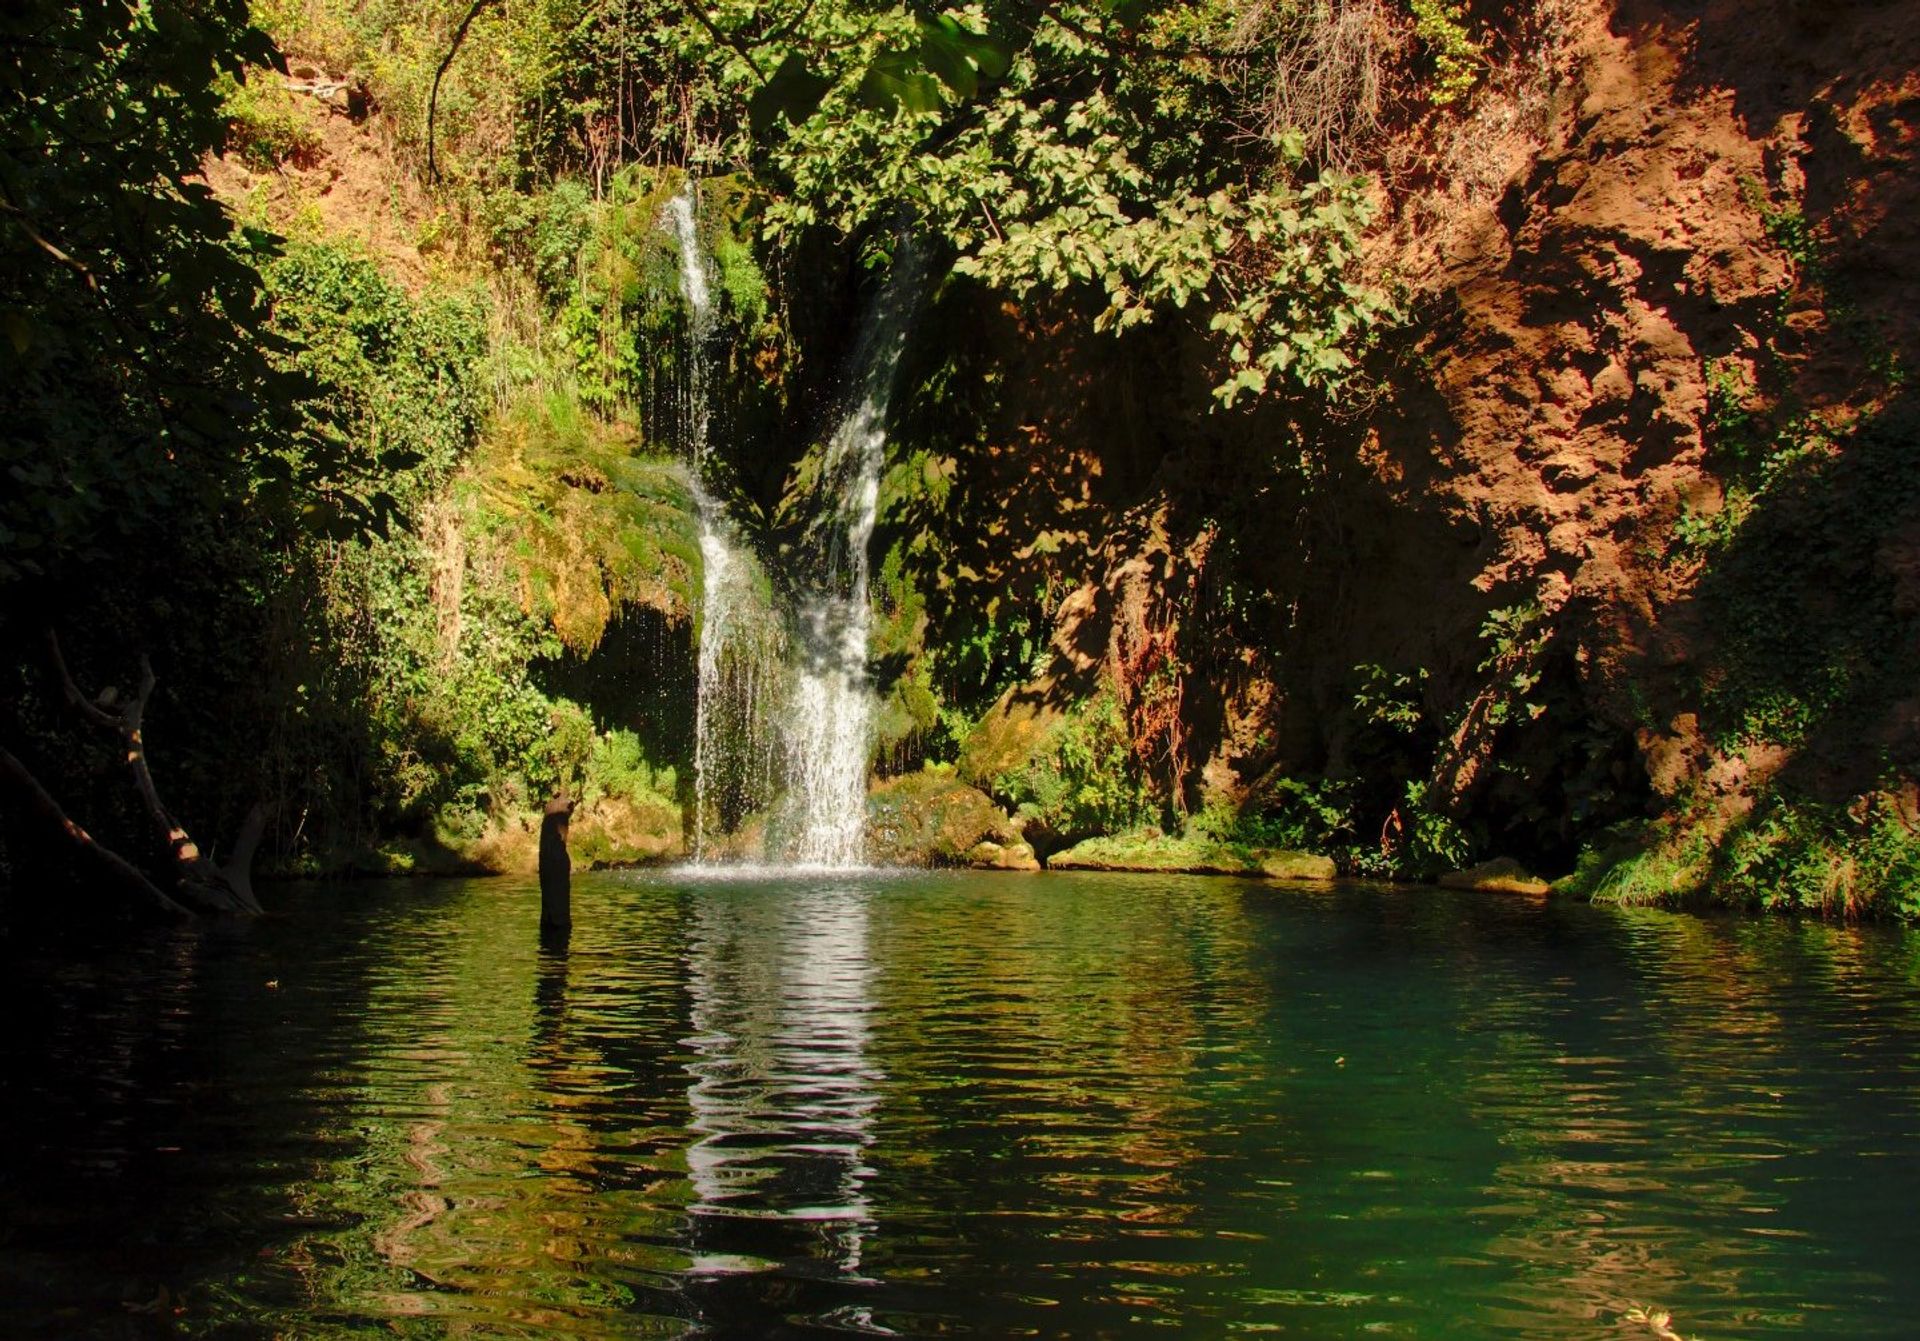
1078 145
139 388
1075 146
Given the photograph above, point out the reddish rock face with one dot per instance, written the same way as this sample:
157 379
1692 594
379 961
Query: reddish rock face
1553 417
1646 253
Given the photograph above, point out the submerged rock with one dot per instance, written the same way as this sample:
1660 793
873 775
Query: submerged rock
932 818
1502 875
1190 856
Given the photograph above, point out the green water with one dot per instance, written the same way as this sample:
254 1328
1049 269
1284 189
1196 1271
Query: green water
999 1106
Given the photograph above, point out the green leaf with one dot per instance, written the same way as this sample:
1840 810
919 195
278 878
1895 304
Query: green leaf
1132 13
794 91
895 82
947 58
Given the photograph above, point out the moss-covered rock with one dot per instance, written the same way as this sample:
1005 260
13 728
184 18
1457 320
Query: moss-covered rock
622 831
1502 875
932 818
1010 734
584 518
1149 851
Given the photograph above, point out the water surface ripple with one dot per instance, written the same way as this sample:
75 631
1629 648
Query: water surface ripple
966 1105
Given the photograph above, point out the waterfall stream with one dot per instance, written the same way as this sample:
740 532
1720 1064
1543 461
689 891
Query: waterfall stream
740 656
752 673
831 737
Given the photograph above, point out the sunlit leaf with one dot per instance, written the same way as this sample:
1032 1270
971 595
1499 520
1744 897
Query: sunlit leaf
794 92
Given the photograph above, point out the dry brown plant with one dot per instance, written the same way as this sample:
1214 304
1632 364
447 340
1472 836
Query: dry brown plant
1327 70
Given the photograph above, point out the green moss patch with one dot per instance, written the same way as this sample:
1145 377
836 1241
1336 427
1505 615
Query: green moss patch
1502 875
1189 856
1066 773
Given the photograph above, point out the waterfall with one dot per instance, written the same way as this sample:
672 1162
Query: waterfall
823 701
739 657
830 738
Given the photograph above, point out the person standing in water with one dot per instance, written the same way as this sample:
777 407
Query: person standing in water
556 867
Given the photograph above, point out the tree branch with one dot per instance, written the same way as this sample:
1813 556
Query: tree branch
19 216
199 878
184 850
433 99
93 712
1126 46
239 864
40 802
725 39
792 27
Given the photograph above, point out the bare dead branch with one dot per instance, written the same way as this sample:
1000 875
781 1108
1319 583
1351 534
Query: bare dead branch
446 63
199 878
99 716
124 873
39 239
239 864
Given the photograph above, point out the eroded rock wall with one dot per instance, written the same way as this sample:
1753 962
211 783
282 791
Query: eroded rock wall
1700 282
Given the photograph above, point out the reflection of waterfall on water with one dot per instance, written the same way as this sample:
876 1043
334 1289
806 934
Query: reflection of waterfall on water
831 740
740 652
783 1096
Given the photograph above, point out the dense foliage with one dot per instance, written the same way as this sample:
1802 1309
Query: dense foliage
159 455
140 396
227 454
1049 147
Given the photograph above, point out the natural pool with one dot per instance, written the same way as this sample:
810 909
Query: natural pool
1047 1106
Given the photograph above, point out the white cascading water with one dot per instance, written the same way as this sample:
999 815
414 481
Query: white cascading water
830 731
827 703
739 657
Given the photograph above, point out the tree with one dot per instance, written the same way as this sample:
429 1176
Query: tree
1133 150
148 440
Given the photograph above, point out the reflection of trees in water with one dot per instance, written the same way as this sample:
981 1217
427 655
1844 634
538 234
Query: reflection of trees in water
774 1108
509 1127
988 1011
1653 1100
112 1064
1067 1064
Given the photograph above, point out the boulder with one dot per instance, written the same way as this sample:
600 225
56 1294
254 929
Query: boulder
1280 864
625 831
1189 856
1502 875
608 831
932 818
988 855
